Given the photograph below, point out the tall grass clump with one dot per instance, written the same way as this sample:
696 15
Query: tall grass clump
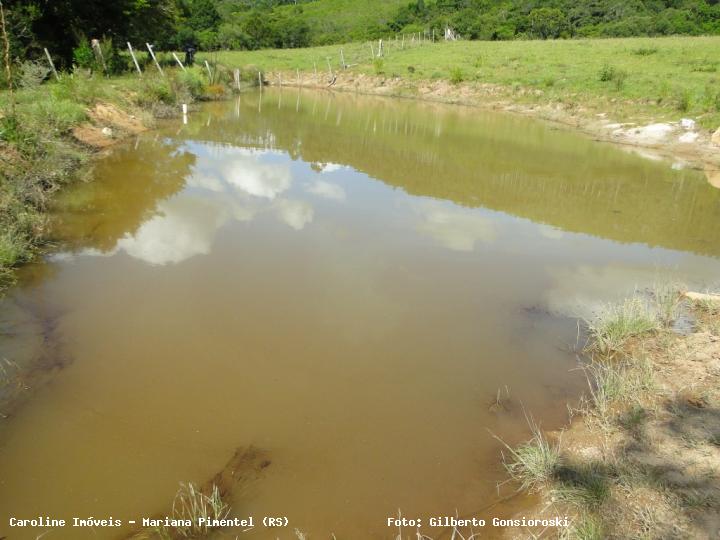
379 66
615 324
616 385
610 73
667 298
533 463
456 75
645 51
192 504
189 83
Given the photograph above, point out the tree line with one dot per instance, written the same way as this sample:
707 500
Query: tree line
64 26
553 19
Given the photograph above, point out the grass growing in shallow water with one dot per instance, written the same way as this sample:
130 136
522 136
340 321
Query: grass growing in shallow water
192 504
535 462
611 329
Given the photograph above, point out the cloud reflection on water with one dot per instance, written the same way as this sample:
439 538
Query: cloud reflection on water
454 228
225 185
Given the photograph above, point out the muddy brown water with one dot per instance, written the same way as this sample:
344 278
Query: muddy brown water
343 282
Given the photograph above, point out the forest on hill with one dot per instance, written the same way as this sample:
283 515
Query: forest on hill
256 24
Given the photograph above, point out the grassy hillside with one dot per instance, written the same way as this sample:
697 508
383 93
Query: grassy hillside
336 21
652 78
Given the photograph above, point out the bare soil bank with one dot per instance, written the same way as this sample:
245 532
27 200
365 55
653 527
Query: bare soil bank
642 457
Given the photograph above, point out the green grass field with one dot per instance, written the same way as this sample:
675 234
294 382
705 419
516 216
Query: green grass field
634 78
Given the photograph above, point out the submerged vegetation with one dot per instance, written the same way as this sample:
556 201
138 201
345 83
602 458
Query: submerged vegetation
610 330
641 460
534 463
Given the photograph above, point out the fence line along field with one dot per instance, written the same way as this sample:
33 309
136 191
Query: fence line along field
642 78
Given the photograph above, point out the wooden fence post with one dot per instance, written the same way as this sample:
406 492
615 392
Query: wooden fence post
152 54
52 65
132 54
98 51
178 61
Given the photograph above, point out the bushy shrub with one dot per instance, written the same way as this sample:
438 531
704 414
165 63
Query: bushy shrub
682 100
32 74
155 90
83 55
609 73
379 66
115 61
190 83
456 75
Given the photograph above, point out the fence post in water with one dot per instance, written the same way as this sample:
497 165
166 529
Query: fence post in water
52 65
132 54
260 82
280 79
298 76
315 69
329 67
152 54
380 47
178 61
236 75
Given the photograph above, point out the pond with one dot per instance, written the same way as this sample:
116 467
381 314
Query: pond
355 294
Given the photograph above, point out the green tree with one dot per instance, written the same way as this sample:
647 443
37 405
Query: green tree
203 15
547 22
58 24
